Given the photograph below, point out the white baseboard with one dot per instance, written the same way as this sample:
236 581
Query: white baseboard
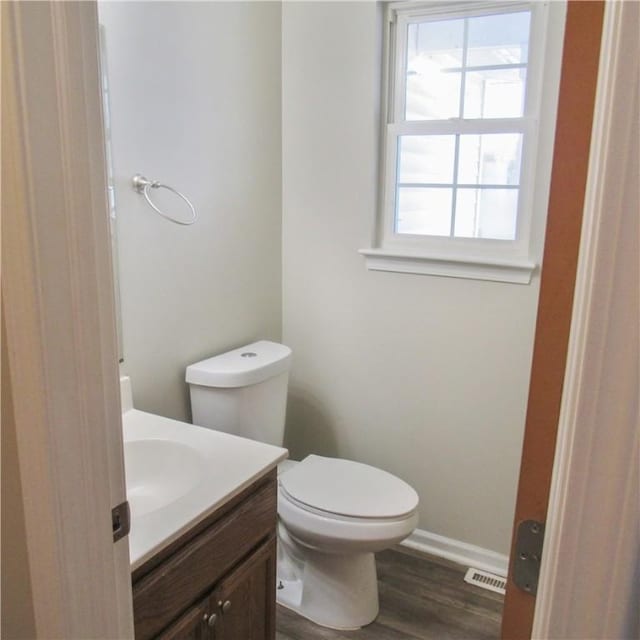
463 553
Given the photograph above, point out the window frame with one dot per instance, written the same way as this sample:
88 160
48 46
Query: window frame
478 258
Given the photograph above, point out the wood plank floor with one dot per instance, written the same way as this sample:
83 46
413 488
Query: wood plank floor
421 598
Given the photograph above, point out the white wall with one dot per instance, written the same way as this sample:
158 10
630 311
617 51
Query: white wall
424 376
195 101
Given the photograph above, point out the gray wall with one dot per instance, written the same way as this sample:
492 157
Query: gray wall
426 377
195 101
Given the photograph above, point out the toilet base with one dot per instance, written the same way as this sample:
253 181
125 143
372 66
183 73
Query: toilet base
333 590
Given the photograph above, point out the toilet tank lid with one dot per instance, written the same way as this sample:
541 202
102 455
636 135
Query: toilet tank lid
241 367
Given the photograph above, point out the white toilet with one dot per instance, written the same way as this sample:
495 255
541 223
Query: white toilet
334 514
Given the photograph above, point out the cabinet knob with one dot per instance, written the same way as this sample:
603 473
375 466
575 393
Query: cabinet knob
210 619
226 606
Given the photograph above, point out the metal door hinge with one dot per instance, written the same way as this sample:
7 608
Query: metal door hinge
120 521
526 566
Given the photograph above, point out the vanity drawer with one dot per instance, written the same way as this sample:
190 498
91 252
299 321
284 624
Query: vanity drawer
195 567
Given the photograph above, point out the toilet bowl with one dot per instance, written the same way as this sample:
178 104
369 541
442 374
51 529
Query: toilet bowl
334 514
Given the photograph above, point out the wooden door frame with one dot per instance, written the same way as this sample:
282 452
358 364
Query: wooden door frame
576 99
579 536
593 531
59 348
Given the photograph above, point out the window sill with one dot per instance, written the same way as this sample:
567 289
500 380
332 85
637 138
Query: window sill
514 270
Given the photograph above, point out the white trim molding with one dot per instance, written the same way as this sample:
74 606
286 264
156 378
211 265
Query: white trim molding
462 553
589 577
514 271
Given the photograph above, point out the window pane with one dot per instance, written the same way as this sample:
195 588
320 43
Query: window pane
486 213
433 88
490 159
424 211
497 93
426 158
498 39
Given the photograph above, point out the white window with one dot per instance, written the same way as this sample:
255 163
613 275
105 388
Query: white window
469 111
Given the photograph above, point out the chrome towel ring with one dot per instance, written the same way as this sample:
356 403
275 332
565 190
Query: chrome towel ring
143 185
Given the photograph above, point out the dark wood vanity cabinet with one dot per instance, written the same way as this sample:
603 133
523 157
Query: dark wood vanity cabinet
218 581
239 608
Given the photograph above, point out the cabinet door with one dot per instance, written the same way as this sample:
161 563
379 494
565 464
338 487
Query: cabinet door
191 625
246 599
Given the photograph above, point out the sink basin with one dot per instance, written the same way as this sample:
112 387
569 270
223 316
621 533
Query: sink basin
159 472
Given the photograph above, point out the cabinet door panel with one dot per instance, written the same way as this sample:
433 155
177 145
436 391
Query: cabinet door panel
189 626
245 599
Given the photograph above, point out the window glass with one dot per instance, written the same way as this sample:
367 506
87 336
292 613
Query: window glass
424 211
426 159
490 159
495 93
434 60
487 55
486 213
498 39
474 68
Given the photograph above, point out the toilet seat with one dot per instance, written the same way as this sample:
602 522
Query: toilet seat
289 503
347 490
339 534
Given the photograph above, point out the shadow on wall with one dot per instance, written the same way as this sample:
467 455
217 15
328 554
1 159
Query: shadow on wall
309 428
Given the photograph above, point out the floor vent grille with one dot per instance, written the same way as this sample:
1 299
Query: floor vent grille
486 580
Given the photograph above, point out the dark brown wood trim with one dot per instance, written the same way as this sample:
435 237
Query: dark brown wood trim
568 181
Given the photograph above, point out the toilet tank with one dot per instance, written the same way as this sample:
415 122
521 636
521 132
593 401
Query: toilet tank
243 391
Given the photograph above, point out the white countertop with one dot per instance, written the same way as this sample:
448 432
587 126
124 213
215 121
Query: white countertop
230 464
